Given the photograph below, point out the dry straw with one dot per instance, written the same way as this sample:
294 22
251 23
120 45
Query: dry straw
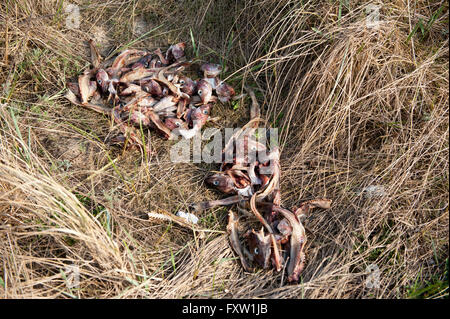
359 109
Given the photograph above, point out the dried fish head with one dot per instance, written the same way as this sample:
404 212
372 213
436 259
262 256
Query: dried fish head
222 182
211 70
143 62
260 247
187 85
175 52
204 90
200 115
175 123
102 80
152 87
225 92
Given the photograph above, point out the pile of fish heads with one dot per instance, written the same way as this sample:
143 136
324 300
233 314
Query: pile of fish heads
139 88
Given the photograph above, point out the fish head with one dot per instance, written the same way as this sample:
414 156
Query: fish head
223 183
173 123
260 247
161 57
254 149
204 90
225 92
211 70
188 86
102 79
143 62
200 115
155 63
152 87
177 50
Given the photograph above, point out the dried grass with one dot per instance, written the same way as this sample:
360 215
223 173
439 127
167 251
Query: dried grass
359 110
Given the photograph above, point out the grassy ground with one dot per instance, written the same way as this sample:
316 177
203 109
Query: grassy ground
363 116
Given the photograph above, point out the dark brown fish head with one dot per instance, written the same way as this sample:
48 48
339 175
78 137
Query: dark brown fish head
102 79
176 52
211 70
161 57
200 115
260 247
143 62
223 183
155 63
204 90
173 123
152 87
188 86
225 92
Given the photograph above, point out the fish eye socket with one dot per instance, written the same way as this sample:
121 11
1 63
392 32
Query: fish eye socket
99 81
205 111
177 124
256 251
199 92
182 82
216 183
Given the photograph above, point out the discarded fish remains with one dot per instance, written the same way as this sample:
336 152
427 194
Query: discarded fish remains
147 89
142 89
254 185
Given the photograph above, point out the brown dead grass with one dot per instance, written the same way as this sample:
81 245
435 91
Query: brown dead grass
356 108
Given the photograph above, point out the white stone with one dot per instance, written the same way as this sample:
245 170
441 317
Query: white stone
190 218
